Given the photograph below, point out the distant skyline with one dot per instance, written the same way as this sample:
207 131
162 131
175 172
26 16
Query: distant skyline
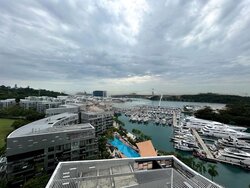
123 46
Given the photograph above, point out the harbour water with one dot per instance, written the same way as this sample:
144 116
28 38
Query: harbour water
229 176
175 104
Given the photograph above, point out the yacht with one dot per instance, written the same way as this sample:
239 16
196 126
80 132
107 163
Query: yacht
196 123
139 119
163 121
145 120
157 120
183 146
234 154
222 132
133 118
184 137
233 142
182 131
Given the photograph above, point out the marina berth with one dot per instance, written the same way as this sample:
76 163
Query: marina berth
157 115
233 154
196 123
233 142
222 132
183 146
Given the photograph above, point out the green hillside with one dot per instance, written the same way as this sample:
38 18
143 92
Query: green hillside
8 92
205 97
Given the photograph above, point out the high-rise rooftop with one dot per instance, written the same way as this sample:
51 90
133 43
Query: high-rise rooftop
163 171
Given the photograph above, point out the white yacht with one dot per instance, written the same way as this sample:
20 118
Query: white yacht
222 132
182 131
133 118
183 146
196 123
157 120
234 154
233 142
145 120
163 121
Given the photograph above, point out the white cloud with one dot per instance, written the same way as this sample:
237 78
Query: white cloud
126 45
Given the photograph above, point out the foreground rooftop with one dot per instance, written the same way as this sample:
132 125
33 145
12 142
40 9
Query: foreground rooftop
164 171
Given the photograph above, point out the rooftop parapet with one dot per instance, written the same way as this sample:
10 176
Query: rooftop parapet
161 171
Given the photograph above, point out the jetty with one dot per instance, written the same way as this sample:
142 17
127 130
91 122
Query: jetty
244 163
174 119
203 145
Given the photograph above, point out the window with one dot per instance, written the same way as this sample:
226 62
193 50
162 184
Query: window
67 147
51 149
58 148
51 157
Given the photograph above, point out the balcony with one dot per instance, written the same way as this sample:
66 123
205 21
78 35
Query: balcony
164 171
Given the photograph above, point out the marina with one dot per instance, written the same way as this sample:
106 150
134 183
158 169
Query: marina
227 149
161 136
157 115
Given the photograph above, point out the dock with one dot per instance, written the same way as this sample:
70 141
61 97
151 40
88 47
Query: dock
203 145
174 120
244 163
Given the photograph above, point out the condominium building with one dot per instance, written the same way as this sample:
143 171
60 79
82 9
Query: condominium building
70 108
7 103
39 105
100 120
146 172
40 145
99 93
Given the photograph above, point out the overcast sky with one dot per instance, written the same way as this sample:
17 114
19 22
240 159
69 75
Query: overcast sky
123 46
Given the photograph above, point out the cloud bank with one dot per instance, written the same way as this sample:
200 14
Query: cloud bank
126 46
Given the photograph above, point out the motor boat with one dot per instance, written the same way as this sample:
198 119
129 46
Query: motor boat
233 142
222 132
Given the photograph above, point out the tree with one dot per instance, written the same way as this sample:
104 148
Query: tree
212 171
188 161
38 182
3 183
200 167
19 123
17 100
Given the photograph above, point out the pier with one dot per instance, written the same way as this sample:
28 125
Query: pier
174 120
244 163
203 145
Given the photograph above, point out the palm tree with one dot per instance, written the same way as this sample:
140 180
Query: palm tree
200 167
212 171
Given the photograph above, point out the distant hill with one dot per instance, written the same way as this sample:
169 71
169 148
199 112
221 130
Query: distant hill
202 97
8 92
211 98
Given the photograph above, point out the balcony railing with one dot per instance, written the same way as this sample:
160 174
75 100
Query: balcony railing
163 171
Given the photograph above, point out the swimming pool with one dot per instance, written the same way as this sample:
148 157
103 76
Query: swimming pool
126 150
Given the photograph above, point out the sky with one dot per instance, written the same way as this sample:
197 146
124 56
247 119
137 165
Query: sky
126 46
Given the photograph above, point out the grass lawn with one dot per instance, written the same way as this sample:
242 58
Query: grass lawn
5 128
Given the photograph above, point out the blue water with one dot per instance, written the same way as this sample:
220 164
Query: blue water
127 151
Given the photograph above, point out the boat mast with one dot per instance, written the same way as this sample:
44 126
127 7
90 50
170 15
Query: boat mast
160 102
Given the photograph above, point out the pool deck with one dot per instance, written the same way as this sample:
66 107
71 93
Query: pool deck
124 150
146 149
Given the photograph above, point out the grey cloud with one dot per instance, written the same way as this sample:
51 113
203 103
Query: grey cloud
183 42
